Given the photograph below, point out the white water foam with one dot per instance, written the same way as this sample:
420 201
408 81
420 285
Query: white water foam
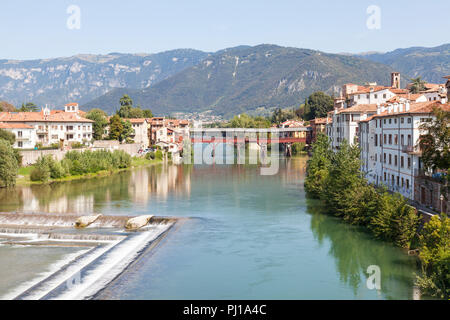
113 264
51 270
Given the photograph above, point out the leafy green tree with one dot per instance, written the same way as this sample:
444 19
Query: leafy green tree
434 252
100 122
115 127
394 220
29 107
435 142
317 105
8 136
126 132
126 104
148 113
8 164
344 181
246 121
318 166
417 85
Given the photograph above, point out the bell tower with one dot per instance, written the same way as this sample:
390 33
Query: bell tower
395 80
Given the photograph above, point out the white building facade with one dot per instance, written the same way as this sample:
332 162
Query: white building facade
389 144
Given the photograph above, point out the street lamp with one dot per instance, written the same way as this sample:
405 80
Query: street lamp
442 199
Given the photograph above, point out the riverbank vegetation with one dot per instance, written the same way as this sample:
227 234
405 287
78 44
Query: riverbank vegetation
81 165
336 179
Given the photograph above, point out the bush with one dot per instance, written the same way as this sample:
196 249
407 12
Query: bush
150 156
41 171
298 148
8 164
159 155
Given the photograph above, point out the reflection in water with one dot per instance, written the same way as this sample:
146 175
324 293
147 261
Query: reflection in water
86 196
354 251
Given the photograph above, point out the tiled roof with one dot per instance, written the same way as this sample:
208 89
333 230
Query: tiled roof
72 104
5 125
39 117
136 120
417 108
360 108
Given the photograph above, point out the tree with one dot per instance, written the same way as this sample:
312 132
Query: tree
318 166
344 181
434 251
318 105
246 121
8 136
100 122
8 164
29 107
115 127
148 113
435 143
126 104
127 110
417 85
127 131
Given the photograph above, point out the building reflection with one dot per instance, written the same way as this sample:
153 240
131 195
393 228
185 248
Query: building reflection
91 195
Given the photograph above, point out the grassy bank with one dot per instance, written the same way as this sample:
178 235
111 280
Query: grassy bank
136 162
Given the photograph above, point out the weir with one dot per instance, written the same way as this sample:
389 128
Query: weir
106 250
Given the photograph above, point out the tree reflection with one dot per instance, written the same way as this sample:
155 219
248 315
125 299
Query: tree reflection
354 250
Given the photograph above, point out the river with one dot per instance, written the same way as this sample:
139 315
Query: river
249 236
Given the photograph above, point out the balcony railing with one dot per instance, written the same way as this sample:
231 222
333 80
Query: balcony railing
411 149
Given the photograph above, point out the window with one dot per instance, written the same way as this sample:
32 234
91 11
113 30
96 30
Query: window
402 120
54 136
385 176
376 157
395 120
398 181
390 139
384 96
368 96
384 139
376 96
402 140
384 159
376 140
395 160
396 139
407 183
390 121
409 120
390 158
409 140
20 144
384 121
409 162
402 161
19 134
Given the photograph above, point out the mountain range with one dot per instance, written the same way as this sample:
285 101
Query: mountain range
231 81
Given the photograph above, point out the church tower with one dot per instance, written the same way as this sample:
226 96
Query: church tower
395 80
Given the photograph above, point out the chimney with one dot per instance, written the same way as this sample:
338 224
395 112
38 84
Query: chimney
400 107
378 108
395 80
407 105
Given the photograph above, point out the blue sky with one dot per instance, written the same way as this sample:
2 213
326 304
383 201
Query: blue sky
37 29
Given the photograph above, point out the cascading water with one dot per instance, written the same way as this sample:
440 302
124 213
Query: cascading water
77 276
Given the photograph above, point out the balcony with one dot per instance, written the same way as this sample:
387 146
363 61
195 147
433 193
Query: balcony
413 150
